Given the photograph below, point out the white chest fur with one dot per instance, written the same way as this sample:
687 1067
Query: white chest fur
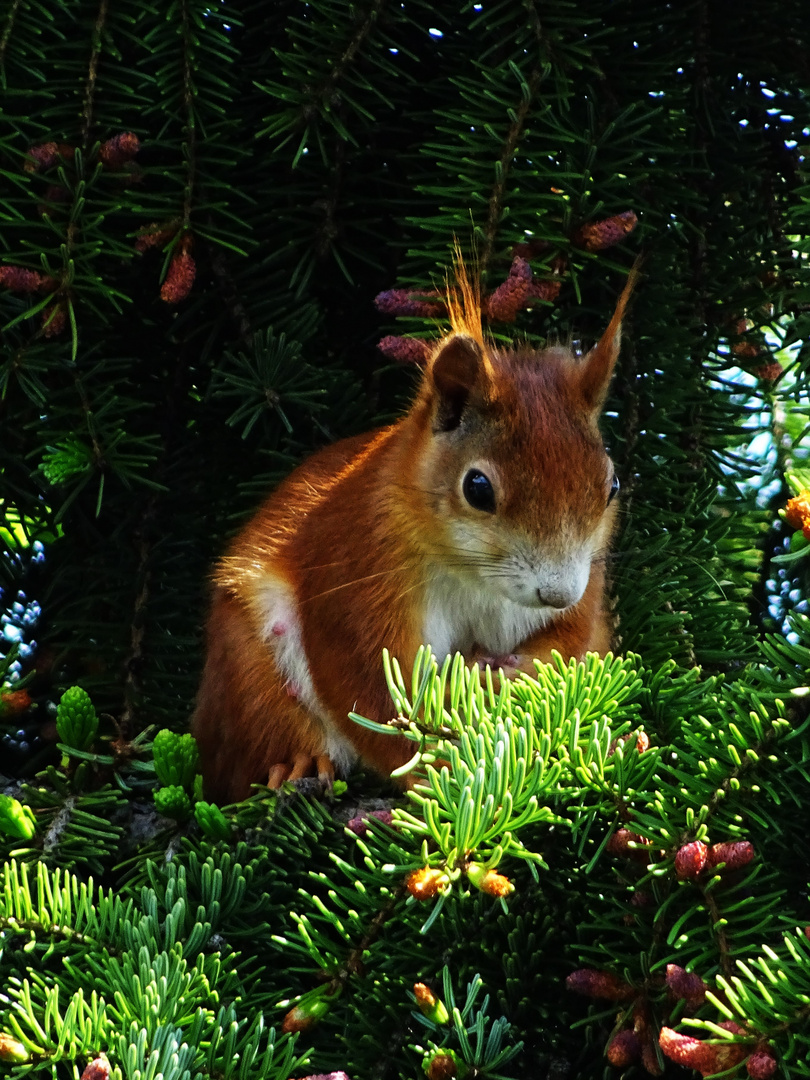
461 612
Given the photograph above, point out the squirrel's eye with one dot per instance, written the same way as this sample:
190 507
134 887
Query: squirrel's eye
478 491
614 488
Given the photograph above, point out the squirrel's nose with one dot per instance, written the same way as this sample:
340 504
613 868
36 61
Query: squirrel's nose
556 598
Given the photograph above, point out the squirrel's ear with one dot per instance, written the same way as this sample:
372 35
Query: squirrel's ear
597 367
455 371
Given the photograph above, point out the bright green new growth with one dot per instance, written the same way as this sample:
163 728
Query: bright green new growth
172 801
16 820
76 719
176 758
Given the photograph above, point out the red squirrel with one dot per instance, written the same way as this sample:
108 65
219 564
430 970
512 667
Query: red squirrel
477 524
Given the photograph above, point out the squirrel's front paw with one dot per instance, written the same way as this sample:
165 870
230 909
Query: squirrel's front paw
302 765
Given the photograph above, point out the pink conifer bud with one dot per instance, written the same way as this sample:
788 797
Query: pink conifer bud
54 320
46 155
733 853
544 290
120 149
97 1069
180 275
599 984
762 1064
619 844
624 1049
402 302
598 235
706 1057
18 279
690 860
405 350
685 984
359 824
505 302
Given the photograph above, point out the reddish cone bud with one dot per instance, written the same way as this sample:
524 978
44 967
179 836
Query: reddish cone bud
14 702
544 290
762 1064
489 881
507 300
733 854
180 275
706 1057
402 302
598 235
425 883
624 1049
690 860
797 511
18 279
359 824
429 1005
768 372
599 984
642 742
48 154
619 844
97 1069
445 1065
305 1015
685 984
405 350
116 152
155 235
54 320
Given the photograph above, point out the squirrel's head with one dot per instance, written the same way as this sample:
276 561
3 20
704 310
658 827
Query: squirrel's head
518 488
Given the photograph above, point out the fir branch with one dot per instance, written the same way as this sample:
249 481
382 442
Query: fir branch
7 29
92 74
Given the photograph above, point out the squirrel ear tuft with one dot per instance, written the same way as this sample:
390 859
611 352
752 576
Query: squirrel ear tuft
597 367
454 371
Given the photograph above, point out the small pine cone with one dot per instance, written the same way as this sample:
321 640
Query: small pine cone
685 984
598 235
599 984
305 1015
619 844
505 302
120 149
54 320
746 350
359 824
706 1057
429 1005
690 860
797 510
762 1064
18 279
624 1049
544 290
180 275
402 302
48 154
97 1069
405 350
444 1065
733 854
427 882
769 373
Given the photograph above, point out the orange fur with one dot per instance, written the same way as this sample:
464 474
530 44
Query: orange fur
373 542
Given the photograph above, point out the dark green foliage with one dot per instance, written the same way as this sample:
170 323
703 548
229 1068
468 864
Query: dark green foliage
293 160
